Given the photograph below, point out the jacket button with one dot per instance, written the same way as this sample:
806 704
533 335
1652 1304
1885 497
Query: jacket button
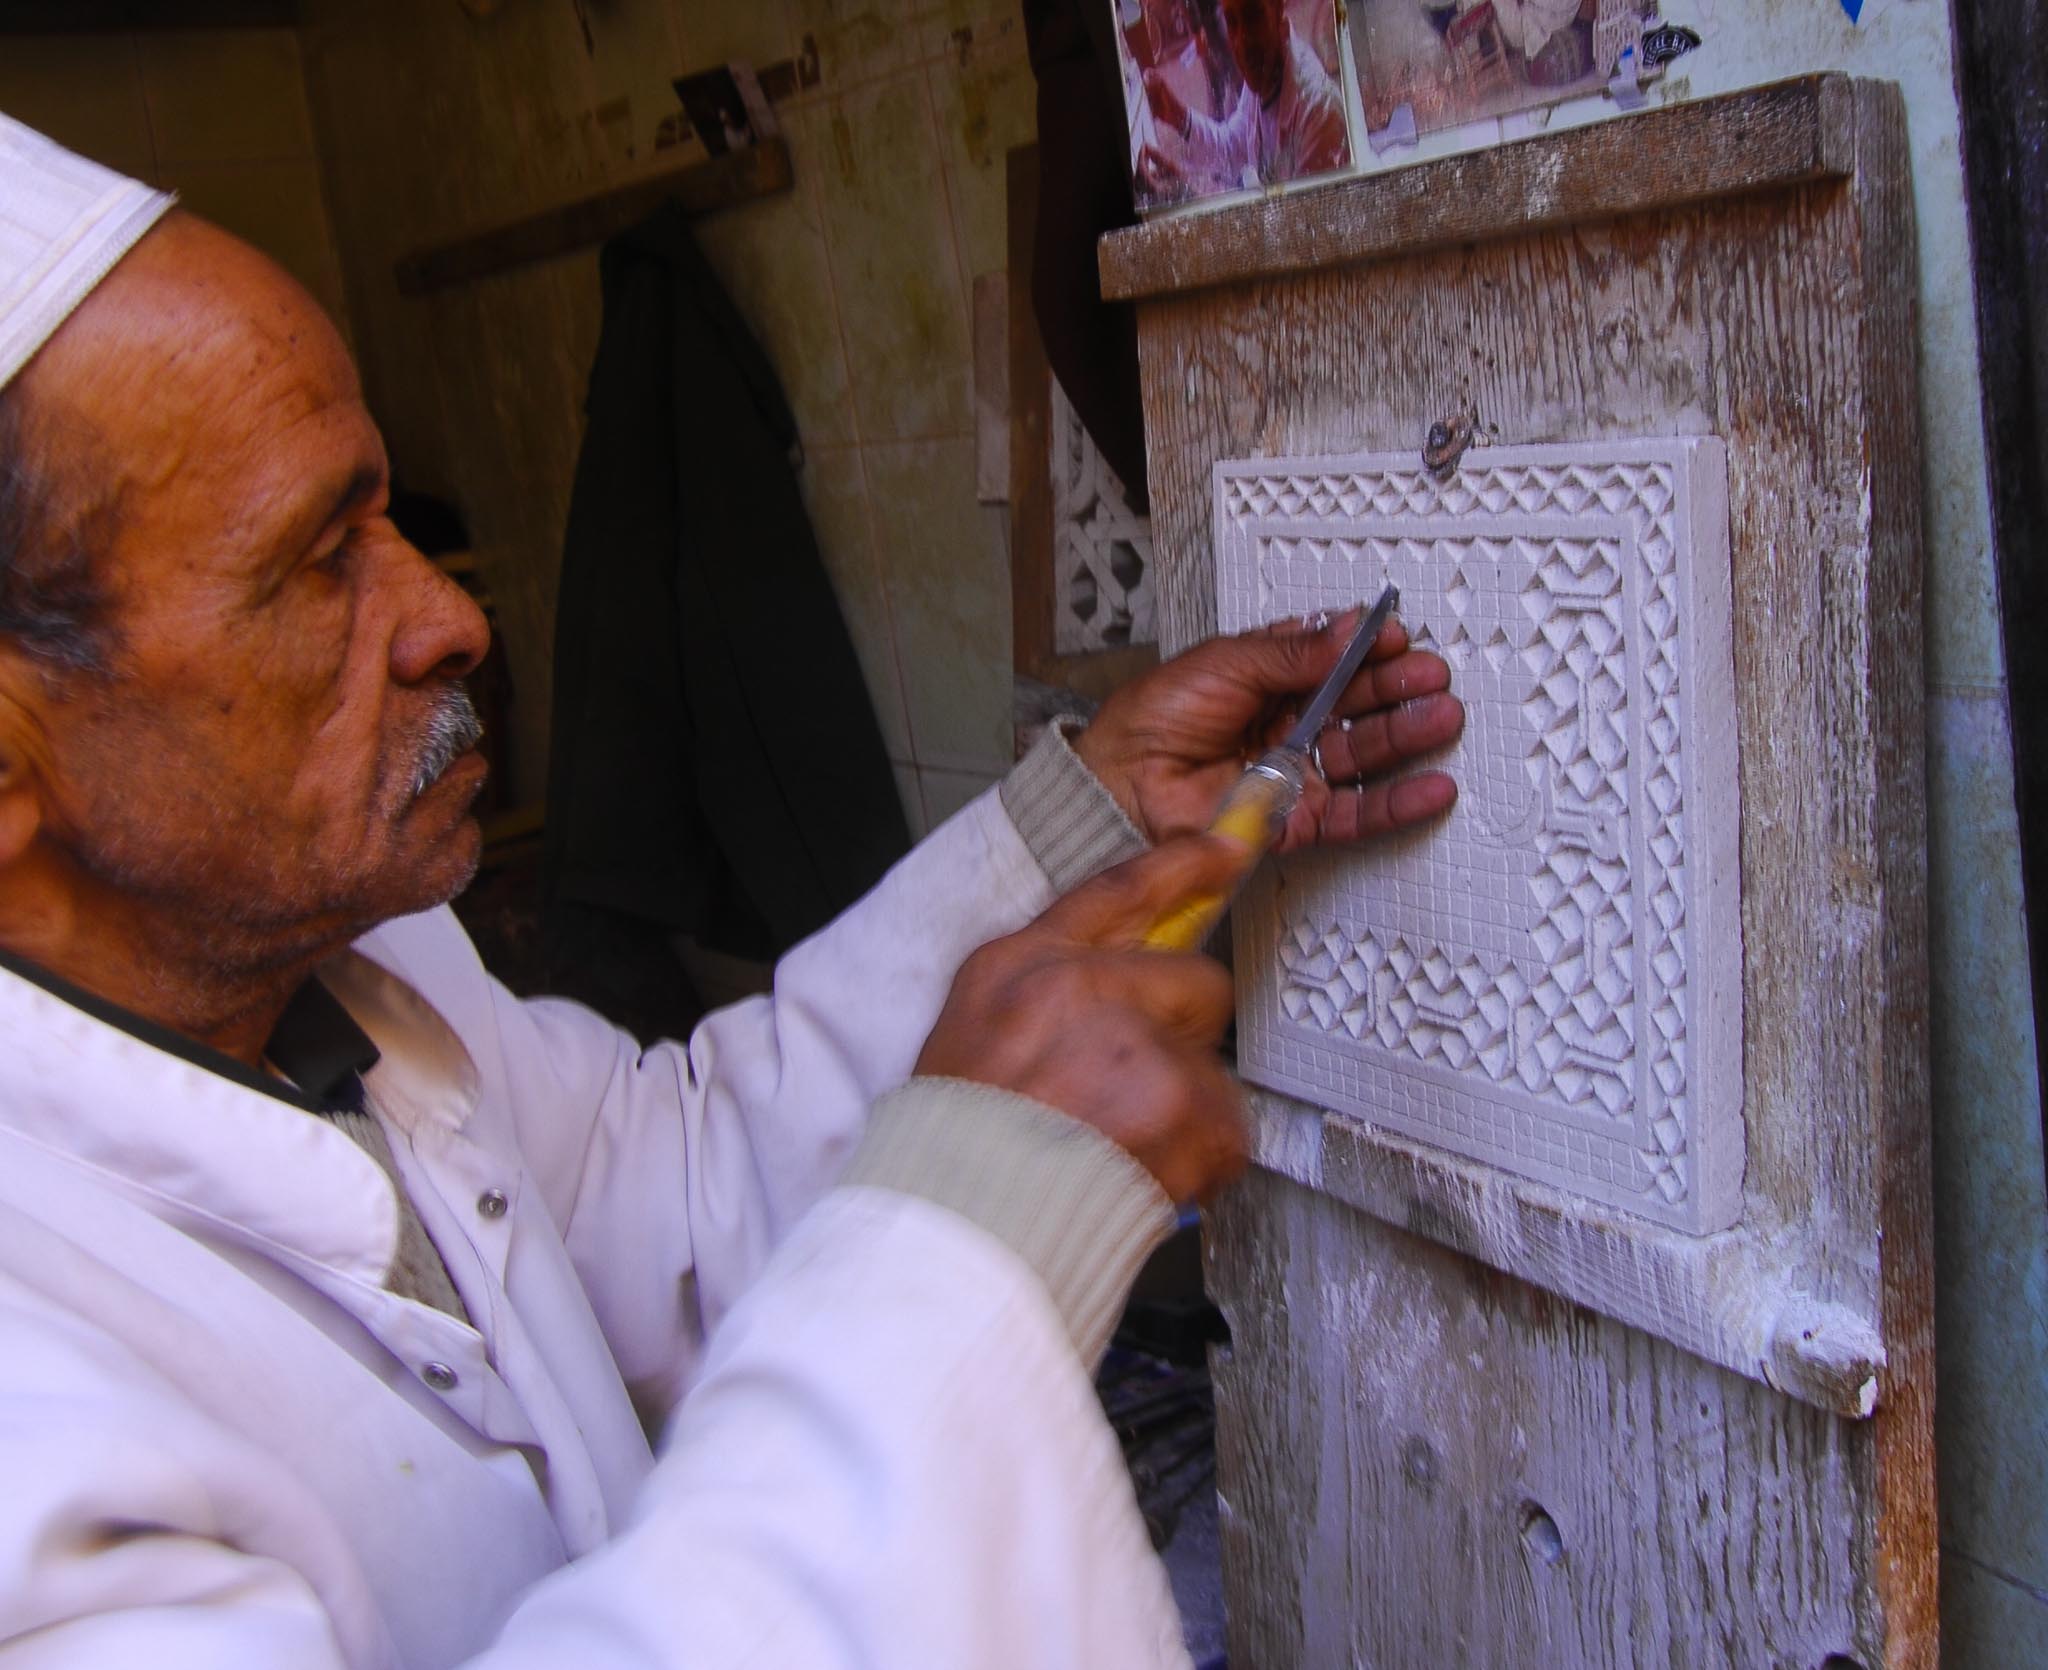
440 1377
492 1203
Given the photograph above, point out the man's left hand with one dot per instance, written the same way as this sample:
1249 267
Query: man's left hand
1170 744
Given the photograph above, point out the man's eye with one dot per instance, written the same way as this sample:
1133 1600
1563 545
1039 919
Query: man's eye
336 558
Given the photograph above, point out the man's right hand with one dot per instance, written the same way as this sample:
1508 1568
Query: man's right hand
1074 1012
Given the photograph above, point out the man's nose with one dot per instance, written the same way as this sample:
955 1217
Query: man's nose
441 633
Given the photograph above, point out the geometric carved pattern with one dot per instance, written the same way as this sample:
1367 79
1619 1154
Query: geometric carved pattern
1544 981
1101 548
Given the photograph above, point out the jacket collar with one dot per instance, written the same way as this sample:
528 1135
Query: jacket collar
197 1135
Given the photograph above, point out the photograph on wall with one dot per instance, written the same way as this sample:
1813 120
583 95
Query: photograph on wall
1226 95
1427 64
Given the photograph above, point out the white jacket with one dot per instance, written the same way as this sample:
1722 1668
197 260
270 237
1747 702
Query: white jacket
224 1443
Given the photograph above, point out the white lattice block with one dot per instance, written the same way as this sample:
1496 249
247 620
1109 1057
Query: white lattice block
1550 980
1102 572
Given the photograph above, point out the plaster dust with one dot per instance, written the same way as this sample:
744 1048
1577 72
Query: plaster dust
1550 981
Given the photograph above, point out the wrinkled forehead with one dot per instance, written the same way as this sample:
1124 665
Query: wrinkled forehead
206 377
200 323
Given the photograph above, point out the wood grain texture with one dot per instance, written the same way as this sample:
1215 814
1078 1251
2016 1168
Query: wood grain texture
1767 138
1424 1464
1904 1524
1781 321
697 188
1736 1299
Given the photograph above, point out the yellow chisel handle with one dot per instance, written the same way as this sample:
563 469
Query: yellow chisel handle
1252 815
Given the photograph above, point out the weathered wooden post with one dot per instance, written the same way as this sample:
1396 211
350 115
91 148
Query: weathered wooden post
1581 1299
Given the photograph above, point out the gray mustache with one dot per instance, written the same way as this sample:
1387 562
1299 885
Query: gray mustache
452 730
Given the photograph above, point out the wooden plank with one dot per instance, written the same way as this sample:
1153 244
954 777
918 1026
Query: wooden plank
1686 320
1788 134
1767 1531
1904 1525
1702 320
1736 1299
699 188
1423 1464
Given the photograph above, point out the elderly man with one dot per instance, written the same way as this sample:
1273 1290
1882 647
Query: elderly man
339 1289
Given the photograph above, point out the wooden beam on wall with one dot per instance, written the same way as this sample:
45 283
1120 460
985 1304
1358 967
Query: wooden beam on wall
699 187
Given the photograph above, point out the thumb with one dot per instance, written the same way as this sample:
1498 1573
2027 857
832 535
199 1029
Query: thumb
1121 905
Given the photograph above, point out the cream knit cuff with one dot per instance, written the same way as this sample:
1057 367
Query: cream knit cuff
1070 822
1068 1201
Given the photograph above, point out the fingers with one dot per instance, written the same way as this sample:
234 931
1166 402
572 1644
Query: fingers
1210 1141
1116 909
1392 641
1400 678
1361 812
1290 658
1391 736
1226 1127
1189 998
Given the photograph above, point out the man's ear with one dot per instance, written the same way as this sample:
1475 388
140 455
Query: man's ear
22 762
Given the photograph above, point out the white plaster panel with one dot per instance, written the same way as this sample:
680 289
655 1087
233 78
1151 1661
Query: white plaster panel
1550 979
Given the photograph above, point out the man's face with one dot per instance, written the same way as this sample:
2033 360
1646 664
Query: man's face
285 663
1258 41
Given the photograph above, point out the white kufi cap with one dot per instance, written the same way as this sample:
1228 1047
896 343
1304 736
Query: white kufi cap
64 222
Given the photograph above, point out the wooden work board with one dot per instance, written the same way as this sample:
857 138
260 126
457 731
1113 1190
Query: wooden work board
1466 1418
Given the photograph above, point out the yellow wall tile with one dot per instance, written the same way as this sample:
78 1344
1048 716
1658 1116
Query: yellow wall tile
949 595
883 194
772 259
84 91
225 95
835 495
277 206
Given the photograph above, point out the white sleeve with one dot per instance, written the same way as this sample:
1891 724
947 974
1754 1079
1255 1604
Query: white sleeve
893 1459
673 1173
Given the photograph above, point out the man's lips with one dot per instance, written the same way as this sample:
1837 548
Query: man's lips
466 771
469 763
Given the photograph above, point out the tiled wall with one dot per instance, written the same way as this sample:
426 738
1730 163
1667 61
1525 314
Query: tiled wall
899 156
858 284
218 115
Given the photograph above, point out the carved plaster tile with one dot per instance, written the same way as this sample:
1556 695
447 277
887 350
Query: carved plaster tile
1101 547
1549 981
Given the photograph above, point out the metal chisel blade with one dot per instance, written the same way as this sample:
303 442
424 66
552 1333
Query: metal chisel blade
1317 714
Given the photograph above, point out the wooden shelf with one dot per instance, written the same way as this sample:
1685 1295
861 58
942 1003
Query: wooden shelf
700 187
1780 136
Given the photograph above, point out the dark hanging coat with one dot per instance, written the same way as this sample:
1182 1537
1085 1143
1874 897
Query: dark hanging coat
716 766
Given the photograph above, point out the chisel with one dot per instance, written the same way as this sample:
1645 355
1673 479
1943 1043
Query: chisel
1256 808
